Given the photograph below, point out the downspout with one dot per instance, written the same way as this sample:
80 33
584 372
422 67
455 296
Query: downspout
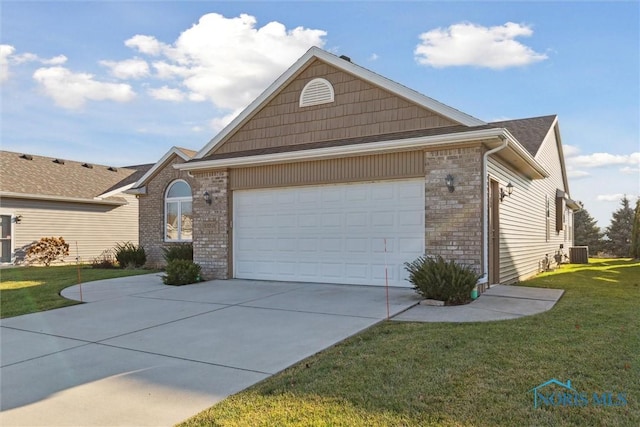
485 223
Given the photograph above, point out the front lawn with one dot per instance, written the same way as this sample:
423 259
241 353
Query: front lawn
474 374
26 290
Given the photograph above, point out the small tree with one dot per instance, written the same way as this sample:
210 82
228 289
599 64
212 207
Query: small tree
47 250
586 231
619 231
635 232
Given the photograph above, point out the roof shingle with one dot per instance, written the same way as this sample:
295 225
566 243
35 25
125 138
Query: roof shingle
45 176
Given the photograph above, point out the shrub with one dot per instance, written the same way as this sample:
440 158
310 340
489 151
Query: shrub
435 278
181 272
183 251
105 260
129 255
47 250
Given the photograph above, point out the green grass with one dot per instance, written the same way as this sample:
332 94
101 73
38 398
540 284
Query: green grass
467 374
26 290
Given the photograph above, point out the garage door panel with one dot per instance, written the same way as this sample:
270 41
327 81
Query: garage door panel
331 234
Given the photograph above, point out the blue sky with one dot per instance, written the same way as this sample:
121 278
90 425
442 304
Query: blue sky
119 83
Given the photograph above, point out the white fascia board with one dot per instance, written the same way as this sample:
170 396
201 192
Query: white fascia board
401 90
159 164
60 199
122 189
266 94
351 68
524 154
345 150
137 190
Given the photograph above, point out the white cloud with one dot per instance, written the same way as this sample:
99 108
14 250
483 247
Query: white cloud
7 57
71 90
576 174
145 44
475 45
56 60
595 160
630 170
570 150
227 61
218 123
374 57
5 52
128 69
165 93
613 197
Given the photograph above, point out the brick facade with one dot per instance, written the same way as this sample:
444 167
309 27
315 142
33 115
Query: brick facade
211 223
454 220
152 211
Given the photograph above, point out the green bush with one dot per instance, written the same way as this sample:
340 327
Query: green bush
129 255
182 251
181 272
435 278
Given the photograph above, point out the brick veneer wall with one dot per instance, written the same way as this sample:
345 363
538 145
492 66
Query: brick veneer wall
454 220
211 224
151 214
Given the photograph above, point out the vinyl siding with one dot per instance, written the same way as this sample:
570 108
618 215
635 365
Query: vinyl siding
94 228
523 237
360 109
352 169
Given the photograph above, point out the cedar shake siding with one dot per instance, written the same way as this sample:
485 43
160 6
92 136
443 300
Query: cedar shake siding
360 109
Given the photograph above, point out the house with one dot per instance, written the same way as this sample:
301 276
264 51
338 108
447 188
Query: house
336 174
81 202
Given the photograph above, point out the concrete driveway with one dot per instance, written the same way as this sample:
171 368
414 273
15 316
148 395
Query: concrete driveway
142 353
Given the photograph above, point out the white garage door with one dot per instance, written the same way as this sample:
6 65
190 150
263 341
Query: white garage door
330 233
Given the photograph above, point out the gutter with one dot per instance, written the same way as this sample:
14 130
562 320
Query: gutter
485 224
10 195
345 150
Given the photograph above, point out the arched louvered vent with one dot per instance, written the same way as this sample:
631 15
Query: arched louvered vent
317 91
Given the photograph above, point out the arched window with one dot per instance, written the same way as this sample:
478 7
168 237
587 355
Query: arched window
178 213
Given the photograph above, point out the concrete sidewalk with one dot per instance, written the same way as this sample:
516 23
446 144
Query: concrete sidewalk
500 302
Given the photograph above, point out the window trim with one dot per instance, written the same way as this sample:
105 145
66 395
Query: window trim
179 201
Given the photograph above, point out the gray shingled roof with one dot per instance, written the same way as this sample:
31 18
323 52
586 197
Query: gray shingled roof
529 132
47 176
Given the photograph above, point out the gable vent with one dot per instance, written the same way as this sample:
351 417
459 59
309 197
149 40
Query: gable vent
317 91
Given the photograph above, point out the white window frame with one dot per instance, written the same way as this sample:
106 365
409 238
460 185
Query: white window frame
179 201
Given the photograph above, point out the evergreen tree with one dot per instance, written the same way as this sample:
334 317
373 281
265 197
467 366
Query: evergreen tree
586 232
635 233
619 231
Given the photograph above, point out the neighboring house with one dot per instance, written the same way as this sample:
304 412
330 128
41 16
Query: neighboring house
337 174
81 202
